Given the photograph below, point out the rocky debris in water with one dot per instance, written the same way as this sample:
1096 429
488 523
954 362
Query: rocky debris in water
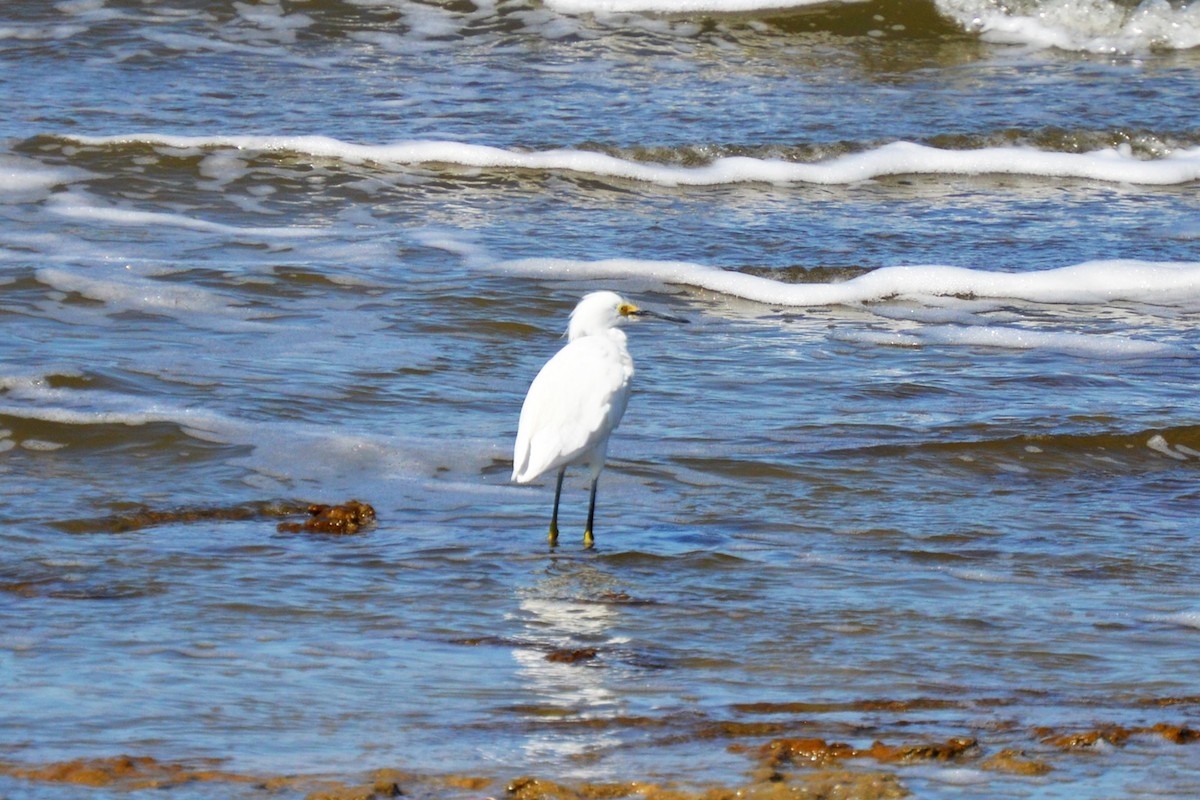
1115 735
557 655
1015 762
121 772
1176 733
848 786
730 729
620 598
381 784
572 656
1186 700
939 751
134 773
495 641
24 588
868 705
818 752
142 517
529 788
349 517
817 769
823 785
385 784
471 783
345 518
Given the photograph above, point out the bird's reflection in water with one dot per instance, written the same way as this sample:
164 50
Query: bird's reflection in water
568 623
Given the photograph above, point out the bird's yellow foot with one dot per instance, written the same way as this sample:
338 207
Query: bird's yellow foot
553 537
588 539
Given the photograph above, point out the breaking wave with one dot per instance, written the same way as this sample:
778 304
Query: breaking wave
1100 26
1168 284
1117 164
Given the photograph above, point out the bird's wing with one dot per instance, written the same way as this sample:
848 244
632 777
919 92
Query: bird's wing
575 401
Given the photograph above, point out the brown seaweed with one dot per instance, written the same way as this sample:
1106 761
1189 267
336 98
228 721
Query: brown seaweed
349 517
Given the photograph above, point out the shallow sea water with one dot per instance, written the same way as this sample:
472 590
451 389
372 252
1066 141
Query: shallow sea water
923 465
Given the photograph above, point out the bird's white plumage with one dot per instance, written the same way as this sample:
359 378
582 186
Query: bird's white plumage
573 404
578 397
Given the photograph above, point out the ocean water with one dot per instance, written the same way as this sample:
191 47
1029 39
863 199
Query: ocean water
923 466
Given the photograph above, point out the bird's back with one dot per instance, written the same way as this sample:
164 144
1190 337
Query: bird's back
572 406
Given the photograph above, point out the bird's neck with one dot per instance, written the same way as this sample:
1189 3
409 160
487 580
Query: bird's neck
612 334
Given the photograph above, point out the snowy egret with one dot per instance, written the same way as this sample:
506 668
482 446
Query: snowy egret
578 398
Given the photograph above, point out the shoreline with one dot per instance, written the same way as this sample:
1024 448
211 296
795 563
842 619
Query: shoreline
793 767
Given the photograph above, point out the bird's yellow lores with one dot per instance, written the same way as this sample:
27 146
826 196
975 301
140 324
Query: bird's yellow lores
578 397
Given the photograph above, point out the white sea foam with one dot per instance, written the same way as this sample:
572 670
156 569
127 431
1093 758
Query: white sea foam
271 17
191 43
85 7
1101 26
31 397
222 168
982 575
120 290
468 249
1012 338
23 180
960 776
42 445
1094 282
1117 165
40 32
353 461
1186 619
76 206
427 27
1159 444
281 451
676 6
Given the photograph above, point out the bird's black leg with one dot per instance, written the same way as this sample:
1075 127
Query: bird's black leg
588 538
554 519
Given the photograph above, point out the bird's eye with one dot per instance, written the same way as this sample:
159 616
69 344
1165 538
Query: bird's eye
625 309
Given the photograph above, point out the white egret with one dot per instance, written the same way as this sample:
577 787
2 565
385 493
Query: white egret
578 398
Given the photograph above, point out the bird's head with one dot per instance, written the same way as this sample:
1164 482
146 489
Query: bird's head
598 312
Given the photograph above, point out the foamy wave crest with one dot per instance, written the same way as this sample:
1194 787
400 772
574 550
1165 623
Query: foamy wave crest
22 180
898 158
29 396
1184 619
76 207
1084 345
1157 283
1173 285
127 292
280 458
676 6
1100 26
